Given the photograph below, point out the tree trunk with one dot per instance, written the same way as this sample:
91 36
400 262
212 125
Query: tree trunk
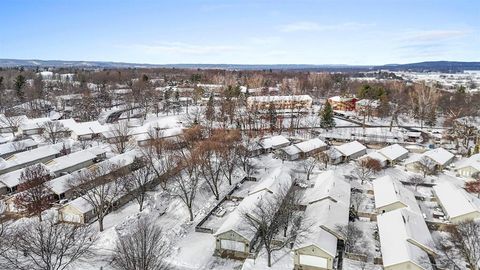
40 216
190 211
100 223
269 258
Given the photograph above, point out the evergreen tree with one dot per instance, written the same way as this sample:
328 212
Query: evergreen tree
19 83
326 116
272 116
210 111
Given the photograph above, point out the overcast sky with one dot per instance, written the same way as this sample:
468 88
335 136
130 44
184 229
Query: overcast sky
241 31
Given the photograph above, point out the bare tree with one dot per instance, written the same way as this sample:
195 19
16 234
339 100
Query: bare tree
34 197
353 236
120 137
309 165
143 249
211 167
13 122
416 181
46 245
324 158
137 184
366 168
461 245
100 186
53 131
473 186
270 216
426 166
229 152
185 183
356 199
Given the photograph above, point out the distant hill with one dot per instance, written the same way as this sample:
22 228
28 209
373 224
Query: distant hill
443 66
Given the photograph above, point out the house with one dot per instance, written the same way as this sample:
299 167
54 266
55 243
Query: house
377 156
11 148
259 103
394 153
77 211
351 150
37 155
9 124
273 143
468 167
390 195
406 242
311 147
456 203
438 158
84 130
145 138
290 153
327 207
339 103
74 161
235 237
11 180
33 126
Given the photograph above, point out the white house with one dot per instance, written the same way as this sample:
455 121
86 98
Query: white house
351 150
390 195
456 203
439 158
11 180
468 167
37 155
273 143
302 150
73 161
327 207
84 130
405 240
394 153
9 124
33 126
77 211
10 148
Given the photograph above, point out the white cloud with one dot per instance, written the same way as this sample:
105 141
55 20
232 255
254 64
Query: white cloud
183 48
313 26
434 35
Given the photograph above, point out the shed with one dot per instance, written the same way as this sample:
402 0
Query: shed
77 211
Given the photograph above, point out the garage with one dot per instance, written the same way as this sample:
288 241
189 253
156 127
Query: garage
67 217
315 261
232 245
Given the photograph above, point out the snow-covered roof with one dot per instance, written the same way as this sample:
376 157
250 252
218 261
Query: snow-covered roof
12 147
273 183
329 215
67 161
473 161
368 103
393 152
310 145
377 156
404 237
351 148
389 191
12 179
81 204
341 99
85 128
165 133
318 237
235 221
279 98
35 123
291 150
328 185
455 202
5 123
274 141
30 156
60 184
439 155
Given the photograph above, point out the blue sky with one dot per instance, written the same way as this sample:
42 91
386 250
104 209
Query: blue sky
241 31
